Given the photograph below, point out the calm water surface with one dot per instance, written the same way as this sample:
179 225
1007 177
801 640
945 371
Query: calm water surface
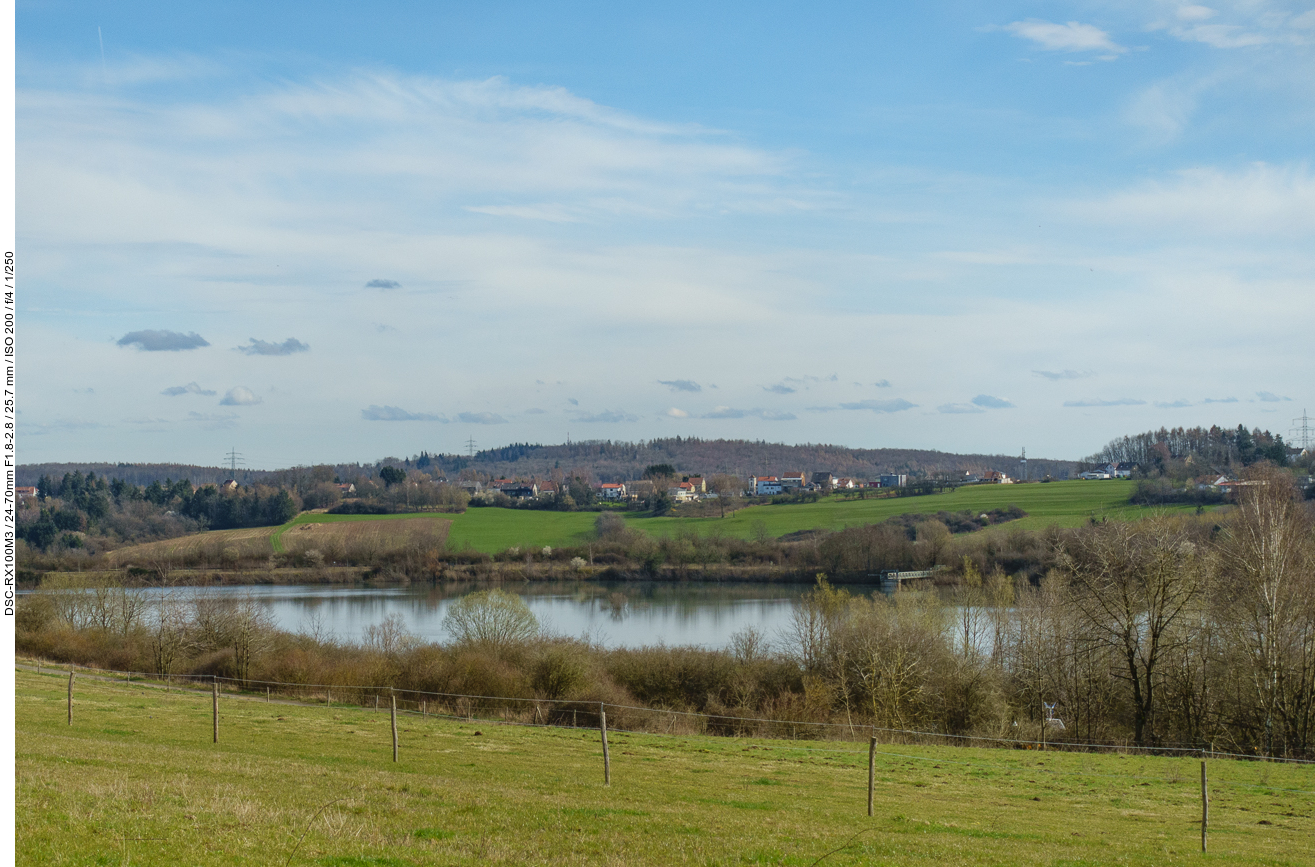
621 614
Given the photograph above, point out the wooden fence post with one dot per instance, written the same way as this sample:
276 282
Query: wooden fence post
1205 807
607 759
328 696
376 701
70 698
872 770
393 713
266 693
214 705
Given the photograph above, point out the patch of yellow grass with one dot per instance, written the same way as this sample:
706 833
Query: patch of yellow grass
357 539
215 546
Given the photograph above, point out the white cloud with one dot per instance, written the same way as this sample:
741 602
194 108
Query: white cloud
1072 36
676 412
240 396
1194 13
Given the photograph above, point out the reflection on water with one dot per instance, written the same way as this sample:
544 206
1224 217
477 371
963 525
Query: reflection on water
620 614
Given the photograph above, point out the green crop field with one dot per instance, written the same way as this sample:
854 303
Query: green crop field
136 780
492 530
1065 503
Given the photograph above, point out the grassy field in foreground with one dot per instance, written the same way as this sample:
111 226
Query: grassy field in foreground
136 780
491 530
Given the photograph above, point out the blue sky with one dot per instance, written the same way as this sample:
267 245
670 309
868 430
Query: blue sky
323 232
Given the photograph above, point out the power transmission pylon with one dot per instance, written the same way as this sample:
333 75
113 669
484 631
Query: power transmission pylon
233 457
1301 431
470 446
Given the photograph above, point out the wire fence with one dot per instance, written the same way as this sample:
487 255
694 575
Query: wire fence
790 739
577 713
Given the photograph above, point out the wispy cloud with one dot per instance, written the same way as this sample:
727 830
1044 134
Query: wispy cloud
261 347
162 341
681 384
64 425
190 388
1220 400
764 414
383 284
1056 375
1172 404
880 406
214 421
779 388
396 413
989 402
1071 37
1123 401
240 396
1270 397
1263 199
481 418
882 383
548 213
608 416
956 408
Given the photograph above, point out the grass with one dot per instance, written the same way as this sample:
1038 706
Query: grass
491 530
360 537
247 542
136 780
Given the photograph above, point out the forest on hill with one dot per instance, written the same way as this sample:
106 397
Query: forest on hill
603 461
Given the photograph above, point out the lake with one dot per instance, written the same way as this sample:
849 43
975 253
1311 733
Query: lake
614 614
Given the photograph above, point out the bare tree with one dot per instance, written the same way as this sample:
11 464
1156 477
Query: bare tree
1132 582
1265 593
725 487
170 631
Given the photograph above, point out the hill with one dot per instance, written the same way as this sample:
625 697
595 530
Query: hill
605 461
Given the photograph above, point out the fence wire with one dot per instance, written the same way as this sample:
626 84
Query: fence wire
627 719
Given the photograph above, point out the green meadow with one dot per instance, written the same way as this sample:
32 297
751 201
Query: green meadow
1067 504
136 780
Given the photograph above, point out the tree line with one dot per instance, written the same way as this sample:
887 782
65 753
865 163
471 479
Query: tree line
69 510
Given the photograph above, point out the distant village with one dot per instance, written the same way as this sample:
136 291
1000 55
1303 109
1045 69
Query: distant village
696 487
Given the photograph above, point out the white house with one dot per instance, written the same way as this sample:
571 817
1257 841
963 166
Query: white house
683 492
611 491
764 486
